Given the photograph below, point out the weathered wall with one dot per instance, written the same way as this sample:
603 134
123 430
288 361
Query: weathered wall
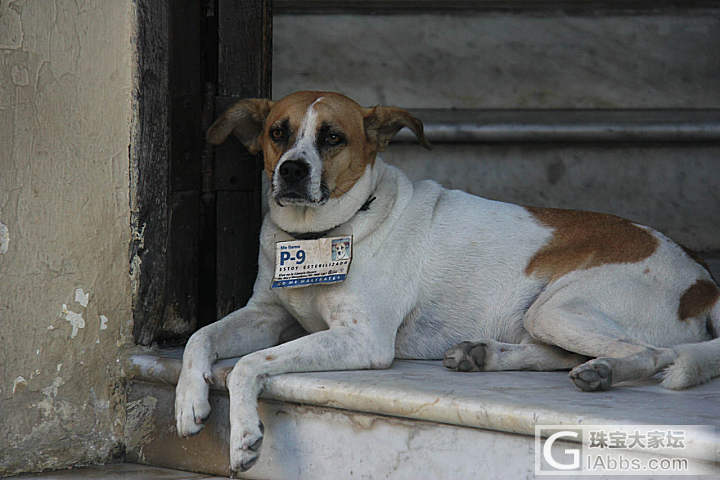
487 60
65 120
532 60
675 190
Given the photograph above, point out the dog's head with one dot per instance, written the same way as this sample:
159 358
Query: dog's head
316 145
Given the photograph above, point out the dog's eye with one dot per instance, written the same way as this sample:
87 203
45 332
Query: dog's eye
277 133
333 139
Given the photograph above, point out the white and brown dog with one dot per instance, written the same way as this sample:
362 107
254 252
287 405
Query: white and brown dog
486 285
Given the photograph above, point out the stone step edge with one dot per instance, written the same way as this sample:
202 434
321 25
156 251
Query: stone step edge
303 388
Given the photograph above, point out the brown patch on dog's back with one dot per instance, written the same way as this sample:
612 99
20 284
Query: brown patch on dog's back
583 240
698 299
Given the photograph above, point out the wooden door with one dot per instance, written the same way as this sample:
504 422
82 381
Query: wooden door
196 210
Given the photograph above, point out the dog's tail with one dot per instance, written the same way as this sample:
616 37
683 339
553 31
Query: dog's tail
696 363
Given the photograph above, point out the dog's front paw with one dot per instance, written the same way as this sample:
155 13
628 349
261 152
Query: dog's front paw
466 357
592 376
245 447
192 407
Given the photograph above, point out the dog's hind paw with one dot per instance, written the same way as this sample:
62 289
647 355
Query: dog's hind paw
592 376
466 357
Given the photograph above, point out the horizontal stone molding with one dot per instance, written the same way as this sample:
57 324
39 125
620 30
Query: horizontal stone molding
488 126
324 7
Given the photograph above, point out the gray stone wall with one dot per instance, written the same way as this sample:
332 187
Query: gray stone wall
675 190
503 61
534 60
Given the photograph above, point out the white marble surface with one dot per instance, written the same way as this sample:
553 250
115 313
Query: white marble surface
323 443
118 471
316 443
512 402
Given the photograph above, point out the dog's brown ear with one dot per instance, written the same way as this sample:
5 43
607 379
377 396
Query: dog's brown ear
245 120
382 123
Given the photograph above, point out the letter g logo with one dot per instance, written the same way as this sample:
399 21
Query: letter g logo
573 452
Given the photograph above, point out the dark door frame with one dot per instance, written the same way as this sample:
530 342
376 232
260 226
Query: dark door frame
195 211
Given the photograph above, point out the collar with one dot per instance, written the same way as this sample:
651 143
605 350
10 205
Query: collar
315 235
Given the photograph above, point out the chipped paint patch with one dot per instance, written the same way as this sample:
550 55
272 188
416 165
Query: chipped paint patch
19 384
140 424
11 27
52 389
76 320
103 322
139 237
4 239
20 75
47 405
81 297
138 242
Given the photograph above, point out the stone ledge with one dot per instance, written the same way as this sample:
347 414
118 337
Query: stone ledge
118 471
512 402
566 125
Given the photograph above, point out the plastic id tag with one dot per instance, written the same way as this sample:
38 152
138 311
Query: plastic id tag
299 263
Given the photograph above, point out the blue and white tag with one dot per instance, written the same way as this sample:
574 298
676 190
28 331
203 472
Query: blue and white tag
300 263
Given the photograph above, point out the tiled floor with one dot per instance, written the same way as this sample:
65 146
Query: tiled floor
125 471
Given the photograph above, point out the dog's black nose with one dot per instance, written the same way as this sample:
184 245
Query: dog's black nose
292 171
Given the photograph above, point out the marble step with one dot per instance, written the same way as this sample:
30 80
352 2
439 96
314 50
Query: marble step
118 471
414 420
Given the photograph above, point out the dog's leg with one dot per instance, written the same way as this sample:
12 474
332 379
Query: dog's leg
579 327
492 356
246 330
350 343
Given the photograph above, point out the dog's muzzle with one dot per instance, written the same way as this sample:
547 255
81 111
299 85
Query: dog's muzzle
293 172
294 185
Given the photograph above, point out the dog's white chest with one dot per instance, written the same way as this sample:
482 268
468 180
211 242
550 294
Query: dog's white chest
302 303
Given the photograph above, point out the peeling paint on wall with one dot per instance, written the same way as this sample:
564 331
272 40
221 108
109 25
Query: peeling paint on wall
138 242
76 320
4 239
47 404
20 76
81 297
19 384
140 421
11 31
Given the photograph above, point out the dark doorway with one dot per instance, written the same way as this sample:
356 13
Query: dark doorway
196 211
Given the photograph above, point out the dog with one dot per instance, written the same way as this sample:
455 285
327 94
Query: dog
438 274
340 250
